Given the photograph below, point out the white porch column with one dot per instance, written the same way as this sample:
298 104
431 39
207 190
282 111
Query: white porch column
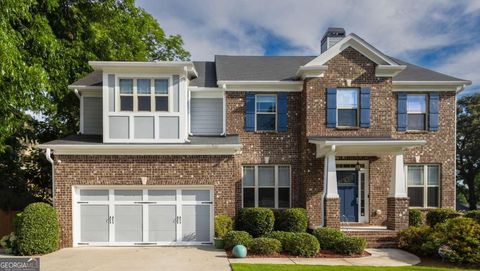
331 175
398 186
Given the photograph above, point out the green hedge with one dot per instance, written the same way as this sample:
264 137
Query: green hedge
440 215
350 245
234 238
291 219
328 237
256 221
413 238
281 236
223 224
302 244
475 215
415 217
38 229
265 246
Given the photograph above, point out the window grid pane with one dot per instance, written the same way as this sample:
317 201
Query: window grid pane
416 103
347 98
248 176
144 103
161 103
266 104
126 86
266 122
415 175
143 86
433 175
161 86
266 176
284 176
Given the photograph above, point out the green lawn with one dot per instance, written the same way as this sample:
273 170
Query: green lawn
297 267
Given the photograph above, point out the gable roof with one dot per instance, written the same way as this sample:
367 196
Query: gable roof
93 79
207 76
417 73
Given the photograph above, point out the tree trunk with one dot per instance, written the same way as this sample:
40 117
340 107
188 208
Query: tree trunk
472 197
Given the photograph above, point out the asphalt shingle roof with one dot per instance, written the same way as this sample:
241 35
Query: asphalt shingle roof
416 73
92 79
207 76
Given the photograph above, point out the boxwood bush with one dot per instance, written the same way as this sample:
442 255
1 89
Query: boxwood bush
302 244
281 236
256 221
291 219
440 215
415 218
265 246
350 245
458 239
474 214
223 224
413 238
233 238
38 229
328 237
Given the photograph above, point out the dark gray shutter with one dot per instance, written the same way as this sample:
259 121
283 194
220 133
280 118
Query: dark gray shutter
401 111
331 107
433 109
365 107
250 112
282 112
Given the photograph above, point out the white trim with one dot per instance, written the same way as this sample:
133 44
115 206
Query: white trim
388 70
82 117
260 82
427 83
178 203
103 65
267 113
85 87
145 149
312 71
262 86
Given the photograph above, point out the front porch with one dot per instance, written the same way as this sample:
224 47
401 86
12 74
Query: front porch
376 236
364 185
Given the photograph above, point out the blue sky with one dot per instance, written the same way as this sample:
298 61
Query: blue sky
442 35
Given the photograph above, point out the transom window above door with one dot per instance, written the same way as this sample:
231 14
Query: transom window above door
347 107
266 186
144 95
416 112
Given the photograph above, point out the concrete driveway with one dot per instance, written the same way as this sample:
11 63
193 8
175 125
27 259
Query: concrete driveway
197 258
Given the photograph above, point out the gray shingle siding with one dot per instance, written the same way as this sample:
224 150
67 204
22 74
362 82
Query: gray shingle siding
92 115
207 116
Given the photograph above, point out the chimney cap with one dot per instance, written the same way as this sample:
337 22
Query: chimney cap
334 32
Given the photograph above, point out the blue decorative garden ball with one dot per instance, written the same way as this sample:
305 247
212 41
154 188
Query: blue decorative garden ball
239 251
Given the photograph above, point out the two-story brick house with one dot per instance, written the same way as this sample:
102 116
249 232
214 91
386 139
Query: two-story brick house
354 136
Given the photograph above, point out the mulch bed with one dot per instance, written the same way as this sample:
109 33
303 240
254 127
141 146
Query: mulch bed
321 254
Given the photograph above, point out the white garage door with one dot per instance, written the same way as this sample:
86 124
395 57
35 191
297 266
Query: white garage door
153 216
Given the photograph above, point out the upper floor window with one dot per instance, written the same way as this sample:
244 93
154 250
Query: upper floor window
347 107
423 183
140 95
266 186
416 112
266 112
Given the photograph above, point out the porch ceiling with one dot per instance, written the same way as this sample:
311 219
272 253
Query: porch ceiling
361 146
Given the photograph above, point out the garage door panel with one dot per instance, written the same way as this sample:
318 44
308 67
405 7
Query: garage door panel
128 195
93 195
162 195
195 195
196 223
162 223
94 225
128 223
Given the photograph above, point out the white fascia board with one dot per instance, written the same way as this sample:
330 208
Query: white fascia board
80 87
312 71
388 70
114 65
405 143
354 41
130 149
264 86
428 86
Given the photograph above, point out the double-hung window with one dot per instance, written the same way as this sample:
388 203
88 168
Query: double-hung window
347 107
266 186
423 183
416 112
144 95
266 112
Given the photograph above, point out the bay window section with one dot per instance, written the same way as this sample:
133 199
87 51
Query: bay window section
417 112
423 183
144 95
266 186
347 107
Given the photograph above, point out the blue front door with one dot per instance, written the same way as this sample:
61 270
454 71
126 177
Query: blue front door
348 192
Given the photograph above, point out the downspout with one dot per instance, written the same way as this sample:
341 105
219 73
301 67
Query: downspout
80 100
48 155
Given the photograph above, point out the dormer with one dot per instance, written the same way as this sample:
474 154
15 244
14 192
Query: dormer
143 102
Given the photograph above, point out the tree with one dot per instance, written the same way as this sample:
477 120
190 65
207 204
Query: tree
468 147
44 46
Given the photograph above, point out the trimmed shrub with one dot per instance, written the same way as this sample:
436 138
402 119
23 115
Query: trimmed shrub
223 224
256 221
350 245
291 219
9 243
457 241
440 215
265 246
328 237
281 236
413 238
474 214
414 218
38 230
302 244
233 238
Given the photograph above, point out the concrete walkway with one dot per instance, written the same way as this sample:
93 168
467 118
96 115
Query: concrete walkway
378 257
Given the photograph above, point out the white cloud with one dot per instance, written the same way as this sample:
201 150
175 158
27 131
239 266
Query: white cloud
398 28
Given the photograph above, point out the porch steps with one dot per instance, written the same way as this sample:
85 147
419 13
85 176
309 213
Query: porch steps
375 238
